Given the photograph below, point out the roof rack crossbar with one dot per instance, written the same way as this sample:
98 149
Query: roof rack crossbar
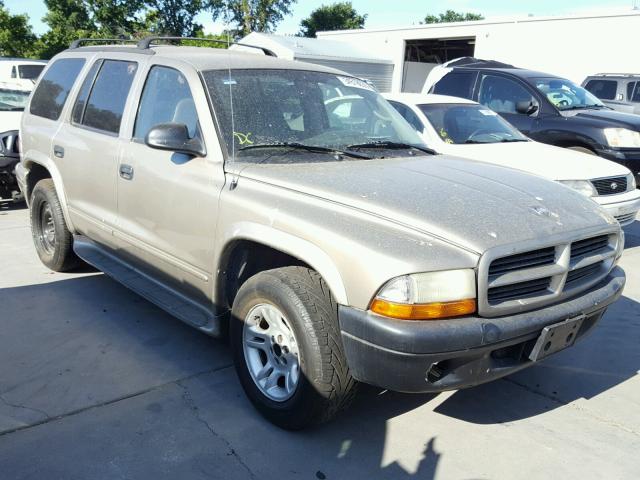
77 43
146 43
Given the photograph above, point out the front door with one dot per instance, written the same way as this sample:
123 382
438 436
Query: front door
501 94
167 201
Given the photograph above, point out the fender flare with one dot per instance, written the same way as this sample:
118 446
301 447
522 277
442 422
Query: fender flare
297 247
32 157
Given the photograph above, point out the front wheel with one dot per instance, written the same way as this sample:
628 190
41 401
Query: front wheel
51 237
287 348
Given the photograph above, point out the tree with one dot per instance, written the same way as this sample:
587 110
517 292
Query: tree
68 20
338 16
16 37
174 17
452 16
251 15
116 17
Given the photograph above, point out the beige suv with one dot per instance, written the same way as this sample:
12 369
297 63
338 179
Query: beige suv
290 207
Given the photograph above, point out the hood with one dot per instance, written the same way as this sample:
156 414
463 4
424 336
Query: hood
9 121
470 204
606 118
554 163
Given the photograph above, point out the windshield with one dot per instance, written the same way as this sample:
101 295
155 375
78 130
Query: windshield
566 95
30 72
261 107
13 100
458 123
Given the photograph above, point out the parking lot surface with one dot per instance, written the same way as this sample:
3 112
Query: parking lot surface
97 383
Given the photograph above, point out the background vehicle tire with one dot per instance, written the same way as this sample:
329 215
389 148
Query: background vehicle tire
583 150
51 237
268 306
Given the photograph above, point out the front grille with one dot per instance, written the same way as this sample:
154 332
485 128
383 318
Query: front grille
575 275
589 246
535 258
518 290
610 186
626 218
534 278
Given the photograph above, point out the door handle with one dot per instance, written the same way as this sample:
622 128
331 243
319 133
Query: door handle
58 151
126 171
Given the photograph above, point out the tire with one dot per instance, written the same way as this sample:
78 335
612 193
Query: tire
325 385
582 150
51 237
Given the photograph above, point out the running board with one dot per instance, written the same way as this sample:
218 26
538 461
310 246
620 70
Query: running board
158 293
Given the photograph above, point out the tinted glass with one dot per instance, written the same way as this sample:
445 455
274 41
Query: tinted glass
456 84
501 94
30 72
630 87
634 95
166 98
53 89
261 107
462 123
109 95
566 95
81 100
408 115
603 89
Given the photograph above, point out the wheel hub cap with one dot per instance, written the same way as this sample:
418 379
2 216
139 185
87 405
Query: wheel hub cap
271 352
47 228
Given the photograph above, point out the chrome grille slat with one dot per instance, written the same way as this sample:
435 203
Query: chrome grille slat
544 256
589 245
583 272
518 290
604 185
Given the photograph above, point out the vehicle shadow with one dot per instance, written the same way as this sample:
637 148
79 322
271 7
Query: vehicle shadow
632 235
8 205
98 342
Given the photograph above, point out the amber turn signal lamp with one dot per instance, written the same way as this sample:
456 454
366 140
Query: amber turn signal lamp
427 311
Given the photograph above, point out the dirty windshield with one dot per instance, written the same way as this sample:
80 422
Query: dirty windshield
297 115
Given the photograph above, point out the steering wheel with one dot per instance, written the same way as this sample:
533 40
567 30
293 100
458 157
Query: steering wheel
479 131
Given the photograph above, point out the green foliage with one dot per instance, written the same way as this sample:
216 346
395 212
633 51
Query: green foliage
174 17
452 16
250 15
338 16
16 37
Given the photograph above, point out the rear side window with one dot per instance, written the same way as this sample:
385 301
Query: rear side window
48 99
166 99
456 84
603 89
108 96
408 115
633 91
81 100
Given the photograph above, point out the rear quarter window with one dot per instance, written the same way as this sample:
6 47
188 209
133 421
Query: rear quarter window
456 84
52 91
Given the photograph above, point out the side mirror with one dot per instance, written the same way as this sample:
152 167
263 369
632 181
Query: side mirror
175 137
526 107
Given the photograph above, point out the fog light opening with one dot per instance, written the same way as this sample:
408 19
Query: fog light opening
434 373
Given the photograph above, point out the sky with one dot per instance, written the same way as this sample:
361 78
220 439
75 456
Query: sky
385 13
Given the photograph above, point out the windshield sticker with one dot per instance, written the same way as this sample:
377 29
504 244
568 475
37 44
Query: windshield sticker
356 82
488 112
243 138
229 81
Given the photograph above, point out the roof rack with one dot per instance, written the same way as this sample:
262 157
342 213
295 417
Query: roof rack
78 43
146 43
610 74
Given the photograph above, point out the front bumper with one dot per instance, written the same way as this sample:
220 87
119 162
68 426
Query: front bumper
433 356
624 207
629 157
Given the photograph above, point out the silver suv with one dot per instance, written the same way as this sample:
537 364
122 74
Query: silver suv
620 91
290 208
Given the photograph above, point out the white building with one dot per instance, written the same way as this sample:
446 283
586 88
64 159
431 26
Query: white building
571 46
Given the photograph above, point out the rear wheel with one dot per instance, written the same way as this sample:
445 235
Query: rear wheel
51 237
287 348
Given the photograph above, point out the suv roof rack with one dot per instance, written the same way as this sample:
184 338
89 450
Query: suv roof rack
79 42
147 42
610 74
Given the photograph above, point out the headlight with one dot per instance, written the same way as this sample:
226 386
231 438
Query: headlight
631 182
583 186
622 138
427 296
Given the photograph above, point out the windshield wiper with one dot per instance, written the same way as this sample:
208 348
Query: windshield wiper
392 146
309 148
584 107
509 140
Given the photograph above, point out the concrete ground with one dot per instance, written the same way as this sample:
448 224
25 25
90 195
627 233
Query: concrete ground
97 383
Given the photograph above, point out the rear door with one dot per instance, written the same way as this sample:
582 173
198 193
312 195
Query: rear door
87 146
168 201
501 94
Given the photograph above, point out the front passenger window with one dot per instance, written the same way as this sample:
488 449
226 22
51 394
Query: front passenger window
166 98
502 94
